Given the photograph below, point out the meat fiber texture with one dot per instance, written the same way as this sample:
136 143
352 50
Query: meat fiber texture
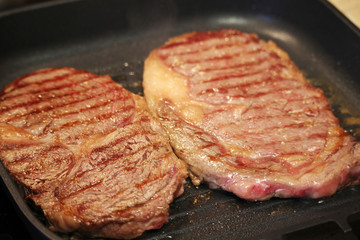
244 118
94 158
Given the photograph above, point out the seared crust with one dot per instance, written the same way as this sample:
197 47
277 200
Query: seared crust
98 163
244 118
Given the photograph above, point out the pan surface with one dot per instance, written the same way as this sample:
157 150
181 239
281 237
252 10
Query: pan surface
114 37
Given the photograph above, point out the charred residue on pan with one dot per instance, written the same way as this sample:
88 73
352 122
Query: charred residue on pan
201 198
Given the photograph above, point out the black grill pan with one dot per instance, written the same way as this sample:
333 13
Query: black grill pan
114 37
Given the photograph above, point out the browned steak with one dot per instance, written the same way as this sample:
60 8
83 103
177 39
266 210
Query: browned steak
97 162
244 118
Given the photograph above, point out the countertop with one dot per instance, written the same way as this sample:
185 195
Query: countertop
350 8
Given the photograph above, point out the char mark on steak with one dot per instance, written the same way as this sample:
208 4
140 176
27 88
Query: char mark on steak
97 162
244 118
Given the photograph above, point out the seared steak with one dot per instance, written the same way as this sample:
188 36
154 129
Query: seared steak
244 118
95 159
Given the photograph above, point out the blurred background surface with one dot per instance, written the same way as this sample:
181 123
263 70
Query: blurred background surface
10 4
350 8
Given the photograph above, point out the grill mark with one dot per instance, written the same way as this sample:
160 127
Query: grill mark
273 66
164 185
11 146
202 37
324 108
88 109
258 95
261 105
255 104
259 117
55 78
215 61
236 74
43 182
51 95
208 145
77 191
225 56
18 82
165 54
154 178
73 82
224 89
312 136
243 64
92 107
294 153
53 106
28 157
265 131
118 155
228 56
93 119
279 155
91 185
292 125
122 139
316 98
114 143
250 97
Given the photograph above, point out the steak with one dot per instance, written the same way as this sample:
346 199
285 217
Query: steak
90 152
245 119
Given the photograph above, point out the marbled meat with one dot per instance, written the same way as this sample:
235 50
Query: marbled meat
93 157
245 119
